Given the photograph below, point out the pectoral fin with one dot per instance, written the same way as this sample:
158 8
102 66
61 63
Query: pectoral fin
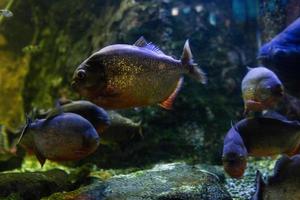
168 103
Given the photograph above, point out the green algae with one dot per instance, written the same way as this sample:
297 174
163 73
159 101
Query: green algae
33 185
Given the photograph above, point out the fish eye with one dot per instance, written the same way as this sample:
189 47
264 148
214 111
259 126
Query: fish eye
81 74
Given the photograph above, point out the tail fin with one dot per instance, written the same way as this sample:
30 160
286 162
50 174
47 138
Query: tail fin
187 62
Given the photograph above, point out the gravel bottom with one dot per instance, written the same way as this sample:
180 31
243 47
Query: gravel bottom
243 189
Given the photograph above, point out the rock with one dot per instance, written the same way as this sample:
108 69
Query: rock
9 162
32 185
163 182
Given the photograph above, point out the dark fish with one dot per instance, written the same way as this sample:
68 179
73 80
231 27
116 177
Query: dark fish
97 116
6 13
60 137
283 184
261 89
234 154
121 130
259 136
282 55
124 76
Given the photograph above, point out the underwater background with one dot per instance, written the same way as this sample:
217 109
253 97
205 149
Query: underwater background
162 154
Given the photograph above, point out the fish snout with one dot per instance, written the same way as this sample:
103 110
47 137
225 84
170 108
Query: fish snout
234 166
75 85
252 105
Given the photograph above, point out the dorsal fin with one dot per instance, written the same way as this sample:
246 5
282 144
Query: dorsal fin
168 103
141 42
62 101
249 68
275 115
279 169
153 48
57 111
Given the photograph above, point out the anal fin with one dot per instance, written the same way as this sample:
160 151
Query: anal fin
168 103
39 156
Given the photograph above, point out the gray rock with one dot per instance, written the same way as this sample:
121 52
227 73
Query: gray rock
32 185
163 182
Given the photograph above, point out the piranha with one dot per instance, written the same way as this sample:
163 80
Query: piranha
261 90
281 55
124 76
234 154
62 137
96 115
283 184
121 130
271 134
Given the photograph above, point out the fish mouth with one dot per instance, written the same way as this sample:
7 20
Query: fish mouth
74 85
252 101
235 168
252 105
260 105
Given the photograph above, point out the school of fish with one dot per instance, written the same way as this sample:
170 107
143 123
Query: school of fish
123 76
271 125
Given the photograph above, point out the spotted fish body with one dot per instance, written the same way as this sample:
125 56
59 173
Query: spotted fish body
258 137
283 184
124 76
62 137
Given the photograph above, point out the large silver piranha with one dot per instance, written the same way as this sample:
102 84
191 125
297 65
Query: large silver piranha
124 76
